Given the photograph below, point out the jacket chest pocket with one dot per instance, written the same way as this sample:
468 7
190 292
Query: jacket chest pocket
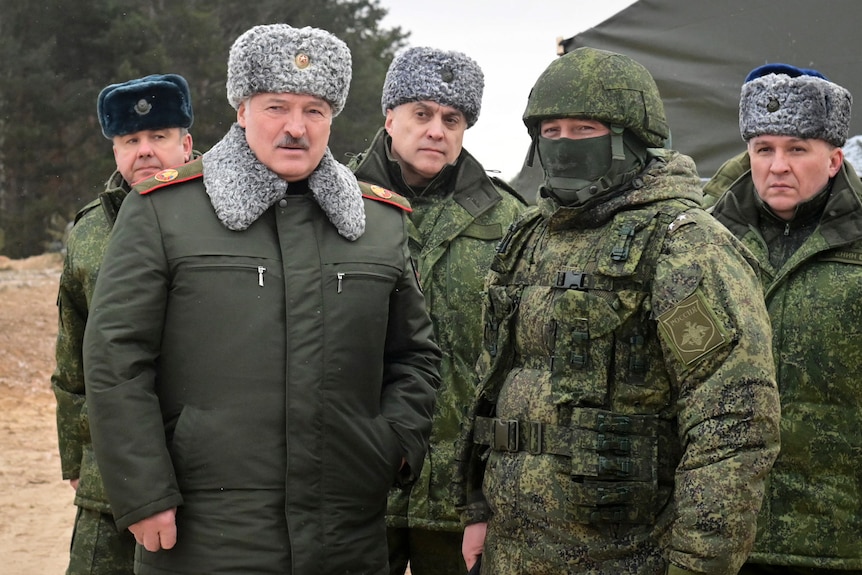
357 296
580 340
212 286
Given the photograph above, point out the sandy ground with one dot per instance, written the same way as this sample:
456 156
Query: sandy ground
37 508
37 505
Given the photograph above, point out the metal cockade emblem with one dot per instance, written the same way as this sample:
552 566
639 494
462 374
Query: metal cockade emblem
773 105
142 108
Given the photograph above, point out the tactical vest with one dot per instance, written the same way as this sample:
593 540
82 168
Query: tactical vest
615 434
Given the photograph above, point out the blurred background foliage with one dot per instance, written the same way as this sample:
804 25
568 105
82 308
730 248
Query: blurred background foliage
58 54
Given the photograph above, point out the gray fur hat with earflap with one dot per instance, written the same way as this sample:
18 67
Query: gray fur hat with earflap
279 58
782 100
446 77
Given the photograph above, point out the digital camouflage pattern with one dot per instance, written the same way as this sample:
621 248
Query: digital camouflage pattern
454 229
728 173
591 83
97 546
627 411
812 511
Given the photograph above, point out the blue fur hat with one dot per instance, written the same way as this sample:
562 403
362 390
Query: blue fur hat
280 58
149 103
448 78
783 100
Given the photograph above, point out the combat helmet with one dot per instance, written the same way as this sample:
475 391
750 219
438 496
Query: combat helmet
600 85
597 85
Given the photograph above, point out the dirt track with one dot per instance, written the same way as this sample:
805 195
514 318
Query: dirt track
37 505
37 509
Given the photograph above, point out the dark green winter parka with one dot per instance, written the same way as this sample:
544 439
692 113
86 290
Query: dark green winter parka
454 229
812 510
266 380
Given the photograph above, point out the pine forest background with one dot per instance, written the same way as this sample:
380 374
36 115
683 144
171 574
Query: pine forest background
56 55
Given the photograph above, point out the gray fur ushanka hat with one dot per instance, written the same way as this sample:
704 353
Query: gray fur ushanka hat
279 58
448 78
153 102
782 100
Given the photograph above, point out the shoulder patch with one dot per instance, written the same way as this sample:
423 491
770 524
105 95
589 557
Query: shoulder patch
374 192
691 329
681 220
171 176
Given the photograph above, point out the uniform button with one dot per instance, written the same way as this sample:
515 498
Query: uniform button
282 203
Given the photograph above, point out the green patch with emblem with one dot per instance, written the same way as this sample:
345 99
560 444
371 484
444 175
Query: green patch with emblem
692 329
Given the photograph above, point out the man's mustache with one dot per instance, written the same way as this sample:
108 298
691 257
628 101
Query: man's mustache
291 142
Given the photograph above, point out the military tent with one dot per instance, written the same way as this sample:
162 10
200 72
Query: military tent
700 52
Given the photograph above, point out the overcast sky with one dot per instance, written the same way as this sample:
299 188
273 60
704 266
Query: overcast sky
513 41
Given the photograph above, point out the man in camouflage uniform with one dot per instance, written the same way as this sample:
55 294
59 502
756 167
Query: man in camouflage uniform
627 412
147 119
798 210
430 98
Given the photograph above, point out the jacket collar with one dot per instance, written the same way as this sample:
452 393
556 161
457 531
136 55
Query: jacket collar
241 188
840 220
668 175
465 180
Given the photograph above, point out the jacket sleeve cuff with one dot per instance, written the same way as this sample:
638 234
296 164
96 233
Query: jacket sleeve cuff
477 512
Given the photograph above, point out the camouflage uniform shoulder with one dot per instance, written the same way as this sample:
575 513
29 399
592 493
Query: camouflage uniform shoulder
727 173
86 209
170 177
697 225
504 186
379 194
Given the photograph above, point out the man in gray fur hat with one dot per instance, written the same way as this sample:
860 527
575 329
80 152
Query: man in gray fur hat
798 208
260 362
430 98
147 120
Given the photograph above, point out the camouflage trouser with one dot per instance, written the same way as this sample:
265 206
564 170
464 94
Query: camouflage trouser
98 548
756 569
428 552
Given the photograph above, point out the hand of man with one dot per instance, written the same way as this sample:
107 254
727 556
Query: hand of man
158 531
74 483
473 543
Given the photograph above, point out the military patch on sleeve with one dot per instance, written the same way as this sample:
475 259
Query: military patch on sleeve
691 329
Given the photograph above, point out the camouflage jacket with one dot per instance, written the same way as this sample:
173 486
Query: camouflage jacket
455 225
627 410
812 511
84 250
726 174
85 247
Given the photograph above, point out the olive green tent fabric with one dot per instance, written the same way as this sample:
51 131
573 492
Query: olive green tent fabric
700 52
